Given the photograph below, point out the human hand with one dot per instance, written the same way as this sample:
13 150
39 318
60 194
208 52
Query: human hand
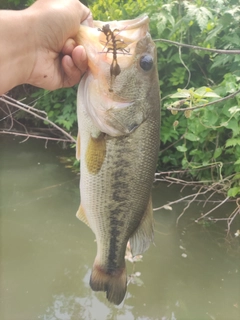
58 61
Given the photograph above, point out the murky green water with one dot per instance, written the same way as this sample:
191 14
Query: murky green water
46 253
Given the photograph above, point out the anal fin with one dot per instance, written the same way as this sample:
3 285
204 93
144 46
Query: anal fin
142 238
82 216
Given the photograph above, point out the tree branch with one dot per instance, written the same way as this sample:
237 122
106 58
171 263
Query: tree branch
6 99
197 47
33 136
230 96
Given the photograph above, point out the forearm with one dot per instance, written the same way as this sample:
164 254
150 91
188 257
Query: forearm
16 47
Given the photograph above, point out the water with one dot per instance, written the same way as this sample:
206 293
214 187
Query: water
47 254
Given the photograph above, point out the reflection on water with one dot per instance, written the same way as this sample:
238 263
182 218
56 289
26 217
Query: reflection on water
47 254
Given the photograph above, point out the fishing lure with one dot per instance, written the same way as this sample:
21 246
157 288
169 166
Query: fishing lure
113 45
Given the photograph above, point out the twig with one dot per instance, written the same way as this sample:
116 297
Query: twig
29 109
183 63
22 104
206 214
197 47
231 218
209 191
230 96
33 136
172 144
179 181
8 115
187 206
180 200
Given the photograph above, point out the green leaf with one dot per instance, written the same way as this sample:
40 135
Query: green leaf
214 32
181 148
210 118
232 192
184 163
224 124
237 176
220 60
234 109
211 95
182 94
232 142
162 22
217 153
202 91
206 92
233 11
234 126
50 114
190 136
57 105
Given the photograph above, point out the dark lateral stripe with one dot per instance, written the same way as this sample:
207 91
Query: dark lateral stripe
120 201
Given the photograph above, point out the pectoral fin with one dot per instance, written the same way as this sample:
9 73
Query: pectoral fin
78 153
142 238
96 152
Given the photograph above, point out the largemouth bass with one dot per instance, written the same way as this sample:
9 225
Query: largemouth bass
118 112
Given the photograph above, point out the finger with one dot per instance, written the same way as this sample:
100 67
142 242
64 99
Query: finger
79 57
72 74
68 47
88 21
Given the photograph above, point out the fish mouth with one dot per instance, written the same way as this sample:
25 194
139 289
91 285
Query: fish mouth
122 37
136 23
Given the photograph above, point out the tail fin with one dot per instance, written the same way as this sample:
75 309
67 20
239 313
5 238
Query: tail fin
114 283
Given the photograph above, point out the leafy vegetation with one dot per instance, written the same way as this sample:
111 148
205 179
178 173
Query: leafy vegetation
60 106
204 142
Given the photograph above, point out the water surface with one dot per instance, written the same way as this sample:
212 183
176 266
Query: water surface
47 254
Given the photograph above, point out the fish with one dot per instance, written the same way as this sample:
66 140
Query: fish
117 145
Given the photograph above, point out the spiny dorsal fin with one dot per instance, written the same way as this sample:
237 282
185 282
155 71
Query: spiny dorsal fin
142 238
78 153
96 152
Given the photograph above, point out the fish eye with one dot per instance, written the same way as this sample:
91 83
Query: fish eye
146 62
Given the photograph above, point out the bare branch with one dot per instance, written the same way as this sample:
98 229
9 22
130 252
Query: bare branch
35 112
207 213
230 96
203 195
232 217
197 47
33 136
6 97
188 205
182 199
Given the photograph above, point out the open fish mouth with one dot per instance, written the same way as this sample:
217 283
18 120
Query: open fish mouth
126 24
128 31
120 41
